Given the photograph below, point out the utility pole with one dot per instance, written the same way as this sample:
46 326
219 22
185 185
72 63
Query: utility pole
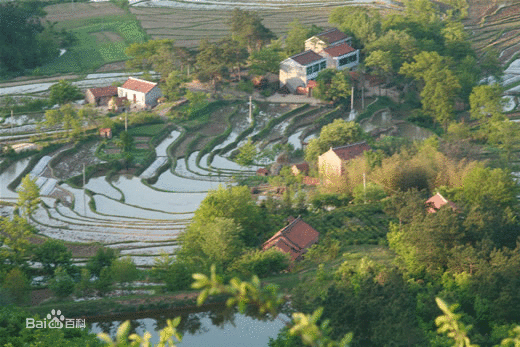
352 100
365 187
84 198
250 109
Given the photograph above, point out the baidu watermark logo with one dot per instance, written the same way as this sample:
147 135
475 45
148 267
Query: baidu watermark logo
54 320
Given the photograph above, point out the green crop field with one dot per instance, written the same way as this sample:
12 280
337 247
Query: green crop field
146 130
102 34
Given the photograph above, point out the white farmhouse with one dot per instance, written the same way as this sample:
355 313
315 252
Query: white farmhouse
140 92
298 70
330 49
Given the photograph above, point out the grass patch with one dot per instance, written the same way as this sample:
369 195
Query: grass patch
146 130
89 52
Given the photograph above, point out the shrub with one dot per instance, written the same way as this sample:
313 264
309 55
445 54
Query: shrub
261 263
62 285
245 86
16 285
373 192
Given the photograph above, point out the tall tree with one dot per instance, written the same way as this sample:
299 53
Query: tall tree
247 28
64 92
159 55
267 59
246 154
233 55
398 47
28 196
486 103
333 85
22 45
298 33
440 85
337 133
363 23
210 64
53 253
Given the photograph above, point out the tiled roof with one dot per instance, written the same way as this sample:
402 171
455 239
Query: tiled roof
339 50
294 238
104 91
138 85
437 201
302 166
351 151
306 57
331 36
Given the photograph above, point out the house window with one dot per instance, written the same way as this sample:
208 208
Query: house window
316 68
323 65
347 60
309 70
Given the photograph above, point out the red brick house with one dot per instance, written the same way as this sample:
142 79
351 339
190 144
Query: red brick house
437 201
332 163
100 96
295 238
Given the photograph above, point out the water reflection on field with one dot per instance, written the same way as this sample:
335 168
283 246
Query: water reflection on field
9 175
218 327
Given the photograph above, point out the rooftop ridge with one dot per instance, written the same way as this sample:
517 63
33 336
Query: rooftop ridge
304 52
140 80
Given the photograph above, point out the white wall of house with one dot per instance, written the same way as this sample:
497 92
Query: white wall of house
295 75
132 96
139 98
352 59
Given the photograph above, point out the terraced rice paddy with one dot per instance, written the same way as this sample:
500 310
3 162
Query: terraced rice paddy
495 24
188 25
144 218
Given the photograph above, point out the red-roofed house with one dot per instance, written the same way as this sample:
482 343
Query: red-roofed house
332 163
301 168
140 92
329 49
100 96
295 239
437 201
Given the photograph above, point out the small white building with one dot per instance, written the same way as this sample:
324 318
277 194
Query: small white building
140 92
298 70
329 49
326 39
340 56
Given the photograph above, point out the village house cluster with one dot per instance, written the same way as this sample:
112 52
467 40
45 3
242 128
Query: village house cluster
135 93
330 49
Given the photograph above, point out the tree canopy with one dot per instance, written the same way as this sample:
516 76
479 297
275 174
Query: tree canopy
337 133
247 29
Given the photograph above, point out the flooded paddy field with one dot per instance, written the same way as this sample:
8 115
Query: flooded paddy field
144 219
